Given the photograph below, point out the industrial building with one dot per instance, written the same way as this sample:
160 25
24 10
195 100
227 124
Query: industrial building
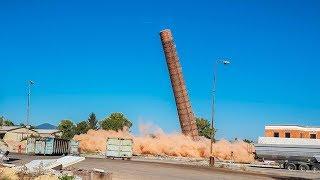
292 131
16 136
25 132
49 132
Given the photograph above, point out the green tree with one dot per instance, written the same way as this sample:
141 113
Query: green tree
116 121
81 128
204 128
67 128
92 121
248 141
2 119
5 122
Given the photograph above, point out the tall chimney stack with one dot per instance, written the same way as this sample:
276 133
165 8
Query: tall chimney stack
186 116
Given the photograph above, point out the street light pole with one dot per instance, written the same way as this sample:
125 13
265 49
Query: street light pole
215 67
30 83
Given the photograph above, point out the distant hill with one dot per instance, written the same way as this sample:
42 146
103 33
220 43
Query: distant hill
46 126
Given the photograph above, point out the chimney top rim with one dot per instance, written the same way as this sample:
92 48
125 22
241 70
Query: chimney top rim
165 30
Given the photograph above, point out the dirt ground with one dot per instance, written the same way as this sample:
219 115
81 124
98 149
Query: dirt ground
139 169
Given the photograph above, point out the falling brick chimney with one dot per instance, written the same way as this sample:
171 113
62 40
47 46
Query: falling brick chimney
186 116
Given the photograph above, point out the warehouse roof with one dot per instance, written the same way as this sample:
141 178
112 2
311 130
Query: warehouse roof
4 129
47 131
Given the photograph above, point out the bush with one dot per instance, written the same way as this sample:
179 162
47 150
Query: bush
66 177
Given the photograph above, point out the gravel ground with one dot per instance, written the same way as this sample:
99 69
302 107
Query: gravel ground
148 167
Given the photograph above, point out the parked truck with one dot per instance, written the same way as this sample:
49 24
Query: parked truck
290 153
119 148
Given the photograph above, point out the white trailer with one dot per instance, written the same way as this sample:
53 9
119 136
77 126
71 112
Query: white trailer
290 153
119 148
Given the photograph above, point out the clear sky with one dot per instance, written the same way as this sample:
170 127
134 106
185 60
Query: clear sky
106 56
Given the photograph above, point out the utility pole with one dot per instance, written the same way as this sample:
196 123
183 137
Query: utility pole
30 83
215 67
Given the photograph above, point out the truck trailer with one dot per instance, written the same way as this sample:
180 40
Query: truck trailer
290 153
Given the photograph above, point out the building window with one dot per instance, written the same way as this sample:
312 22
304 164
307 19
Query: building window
313 136
301 135
275 134
287 135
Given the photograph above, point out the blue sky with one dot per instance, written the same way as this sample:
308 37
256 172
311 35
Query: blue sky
106 56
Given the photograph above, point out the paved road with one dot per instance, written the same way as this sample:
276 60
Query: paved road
122 169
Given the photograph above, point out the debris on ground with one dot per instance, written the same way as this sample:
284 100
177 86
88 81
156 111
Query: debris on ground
90 174
3 151
47 177
8 173
52 169
50 164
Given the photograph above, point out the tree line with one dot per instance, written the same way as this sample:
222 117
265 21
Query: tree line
5 122
115 121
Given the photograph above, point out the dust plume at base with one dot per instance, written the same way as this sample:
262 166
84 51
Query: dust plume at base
153 141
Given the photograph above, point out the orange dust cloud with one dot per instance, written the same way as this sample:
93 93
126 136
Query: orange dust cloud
153 141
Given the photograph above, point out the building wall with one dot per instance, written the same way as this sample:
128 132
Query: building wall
46 135
293 133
